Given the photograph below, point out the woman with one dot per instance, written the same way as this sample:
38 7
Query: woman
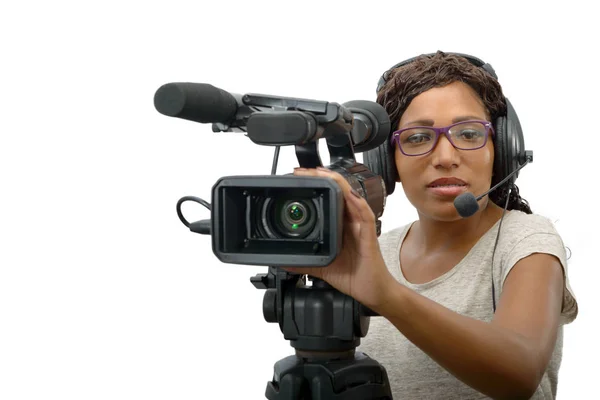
444 333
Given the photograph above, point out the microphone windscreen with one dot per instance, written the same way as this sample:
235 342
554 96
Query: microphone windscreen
466 204
199 102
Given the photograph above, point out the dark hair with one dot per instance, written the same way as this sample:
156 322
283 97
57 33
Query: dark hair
426 72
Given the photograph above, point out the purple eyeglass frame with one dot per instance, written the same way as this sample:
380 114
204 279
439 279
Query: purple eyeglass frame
439 131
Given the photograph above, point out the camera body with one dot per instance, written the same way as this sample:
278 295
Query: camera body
287 220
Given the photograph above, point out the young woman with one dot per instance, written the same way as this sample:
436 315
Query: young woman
470 307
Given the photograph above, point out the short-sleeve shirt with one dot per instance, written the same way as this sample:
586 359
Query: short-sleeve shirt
467 290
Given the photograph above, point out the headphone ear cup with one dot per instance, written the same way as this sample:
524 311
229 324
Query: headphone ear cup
500 153
509 146
381 162
514 144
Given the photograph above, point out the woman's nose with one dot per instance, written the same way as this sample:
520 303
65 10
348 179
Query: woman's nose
445 155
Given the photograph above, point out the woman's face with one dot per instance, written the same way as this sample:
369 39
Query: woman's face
439 107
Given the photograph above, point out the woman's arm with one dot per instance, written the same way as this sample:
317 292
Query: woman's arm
502 359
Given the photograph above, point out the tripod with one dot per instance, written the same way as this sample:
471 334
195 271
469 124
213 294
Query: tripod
324 326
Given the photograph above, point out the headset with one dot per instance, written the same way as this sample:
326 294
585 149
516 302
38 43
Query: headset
509 147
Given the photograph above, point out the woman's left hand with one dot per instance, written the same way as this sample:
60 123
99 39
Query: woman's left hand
359 270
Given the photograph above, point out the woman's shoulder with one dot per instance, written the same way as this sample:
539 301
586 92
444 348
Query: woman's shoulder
394 233
526 234
390 239
519 224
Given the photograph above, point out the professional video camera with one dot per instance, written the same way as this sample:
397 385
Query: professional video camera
288 220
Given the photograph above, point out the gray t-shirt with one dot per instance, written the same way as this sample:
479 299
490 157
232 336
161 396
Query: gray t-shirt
467 290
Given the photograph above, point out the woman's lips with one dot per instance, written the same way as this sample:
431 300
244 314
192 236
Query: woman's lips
447 186
447 190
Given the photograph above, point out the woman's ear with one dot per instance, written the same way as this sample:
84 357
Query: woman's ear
395 161
397 172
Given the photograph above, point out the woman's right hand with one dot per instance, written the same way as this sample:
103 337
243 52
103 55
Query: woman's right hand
359 270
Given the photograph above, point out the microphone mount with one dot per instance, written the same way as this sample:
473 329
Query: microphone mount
528 159
466 204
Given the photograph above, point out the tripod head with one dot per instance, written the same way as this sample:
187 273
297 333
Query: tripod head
324 326
279 221
312 316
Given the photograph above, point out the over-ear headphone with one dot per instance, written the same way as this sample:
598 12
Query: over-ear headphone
509 146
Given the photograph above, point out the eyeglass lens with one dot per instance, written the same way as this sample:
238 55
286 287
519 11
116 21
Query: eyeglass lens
465 136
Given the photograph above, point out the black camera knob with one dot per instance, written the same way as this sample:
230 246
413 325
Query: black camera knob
270 305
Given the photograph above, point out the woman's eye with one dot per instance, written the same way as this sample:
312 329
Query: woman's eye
469 134
418 138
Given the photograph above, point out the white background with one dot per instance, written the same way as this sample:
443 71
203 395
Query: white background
105 294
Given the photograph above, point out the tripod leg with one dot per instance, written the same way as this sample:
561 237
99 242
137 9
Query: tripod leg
357 378
290 388
288 381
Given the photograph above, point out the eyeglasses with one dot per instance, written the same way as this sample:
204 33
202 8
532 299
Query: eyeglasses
419 140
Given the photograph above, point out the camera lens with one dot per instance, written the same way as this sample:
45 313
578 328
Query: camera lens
282 217
291 218
295 214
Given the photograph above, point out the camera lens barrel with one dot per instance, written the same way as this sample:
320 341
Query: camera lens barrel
369 185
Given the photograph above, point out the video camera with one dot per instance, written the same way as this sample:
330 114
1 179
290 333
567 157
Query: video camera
284 220
287 220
